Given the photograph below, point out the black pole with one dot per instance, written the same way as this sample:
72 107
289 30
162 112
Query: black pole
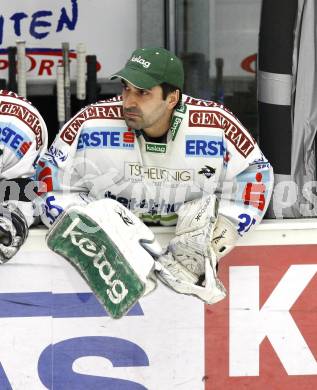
91 78
12 71
3 84
275 62
219 87
276 42
166 6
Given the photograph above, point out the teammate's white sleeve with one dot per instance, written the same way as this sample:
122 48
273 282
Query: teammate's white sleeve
23 138
61 184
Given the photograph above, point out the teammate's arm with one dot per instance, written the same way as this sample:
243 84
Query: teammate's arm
60 183
22 142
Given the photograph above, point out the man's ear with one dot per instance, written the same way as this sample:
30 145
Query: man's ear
173 98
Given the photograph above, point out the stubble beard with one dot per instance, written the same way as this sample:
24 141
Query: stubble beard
134 123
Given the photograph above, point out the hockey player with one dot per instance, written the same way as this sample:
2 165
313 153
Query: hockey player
168 158
23 138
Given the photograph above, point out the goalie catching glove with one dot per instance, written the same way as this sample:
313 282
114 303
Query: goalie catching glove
190 264
111 248
13 231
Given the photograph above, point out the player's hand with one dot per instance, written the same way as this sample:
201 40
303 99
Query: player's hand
13 232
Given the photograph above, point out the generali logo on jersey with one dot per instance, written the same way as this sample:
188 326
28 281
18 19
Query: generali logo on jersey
68 135
241 140
202 118
26 116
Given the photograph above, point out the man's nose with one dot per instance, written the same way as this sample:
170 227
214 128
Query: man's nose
129 101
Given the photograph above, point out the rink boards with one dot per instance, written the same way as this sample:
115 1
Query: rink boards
55 335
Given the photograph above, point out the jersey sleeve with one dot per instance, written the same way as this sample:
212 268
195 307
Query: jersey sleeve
61 184
23 136
247 183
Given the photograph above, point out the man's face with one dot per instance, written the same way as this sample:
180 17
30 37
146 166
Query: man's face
145 109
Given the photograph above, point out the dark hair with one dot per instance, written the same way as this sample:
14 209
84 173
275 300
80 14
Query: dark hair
167 89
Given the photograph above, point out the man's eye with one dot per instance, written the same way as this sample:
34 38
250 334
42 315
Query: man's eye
144 92
124 87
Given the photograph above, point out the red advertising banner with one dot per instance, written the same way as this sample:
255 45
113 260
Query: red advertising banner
264 335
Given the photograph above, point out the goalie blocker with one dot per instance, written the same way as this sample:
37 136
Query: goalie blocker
111 248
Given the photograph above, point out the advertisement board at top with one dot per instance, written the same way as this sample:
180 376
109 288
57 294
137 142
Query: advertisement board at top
107 28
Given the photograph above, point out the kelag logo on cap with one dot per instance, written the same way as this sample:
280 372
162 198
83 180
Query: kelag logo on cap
141 61
149 67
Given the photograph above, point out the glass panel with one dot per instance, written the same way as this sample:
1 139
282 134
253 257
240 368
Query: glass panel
217 41
192 45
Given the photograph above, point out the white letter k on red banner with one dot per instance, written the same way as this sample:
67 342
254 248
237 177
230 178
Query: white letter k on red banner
249 324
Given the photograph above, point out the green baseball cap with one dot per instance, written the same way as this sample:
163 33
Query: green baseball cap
152 66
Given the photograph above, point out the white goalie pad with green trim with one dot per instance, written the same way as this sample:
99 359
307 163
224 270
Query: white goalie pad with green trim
111 248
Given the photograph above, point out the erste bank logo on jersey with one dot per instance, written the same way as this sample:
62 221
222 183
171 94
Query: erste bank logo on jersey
204 145
106 138
15 139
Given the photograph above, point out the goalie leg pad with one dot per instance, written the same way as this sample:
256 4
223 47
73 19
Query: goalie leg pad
107 254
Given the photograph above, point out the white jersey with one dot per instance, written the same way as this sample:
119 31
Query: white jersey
23 138
207 151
